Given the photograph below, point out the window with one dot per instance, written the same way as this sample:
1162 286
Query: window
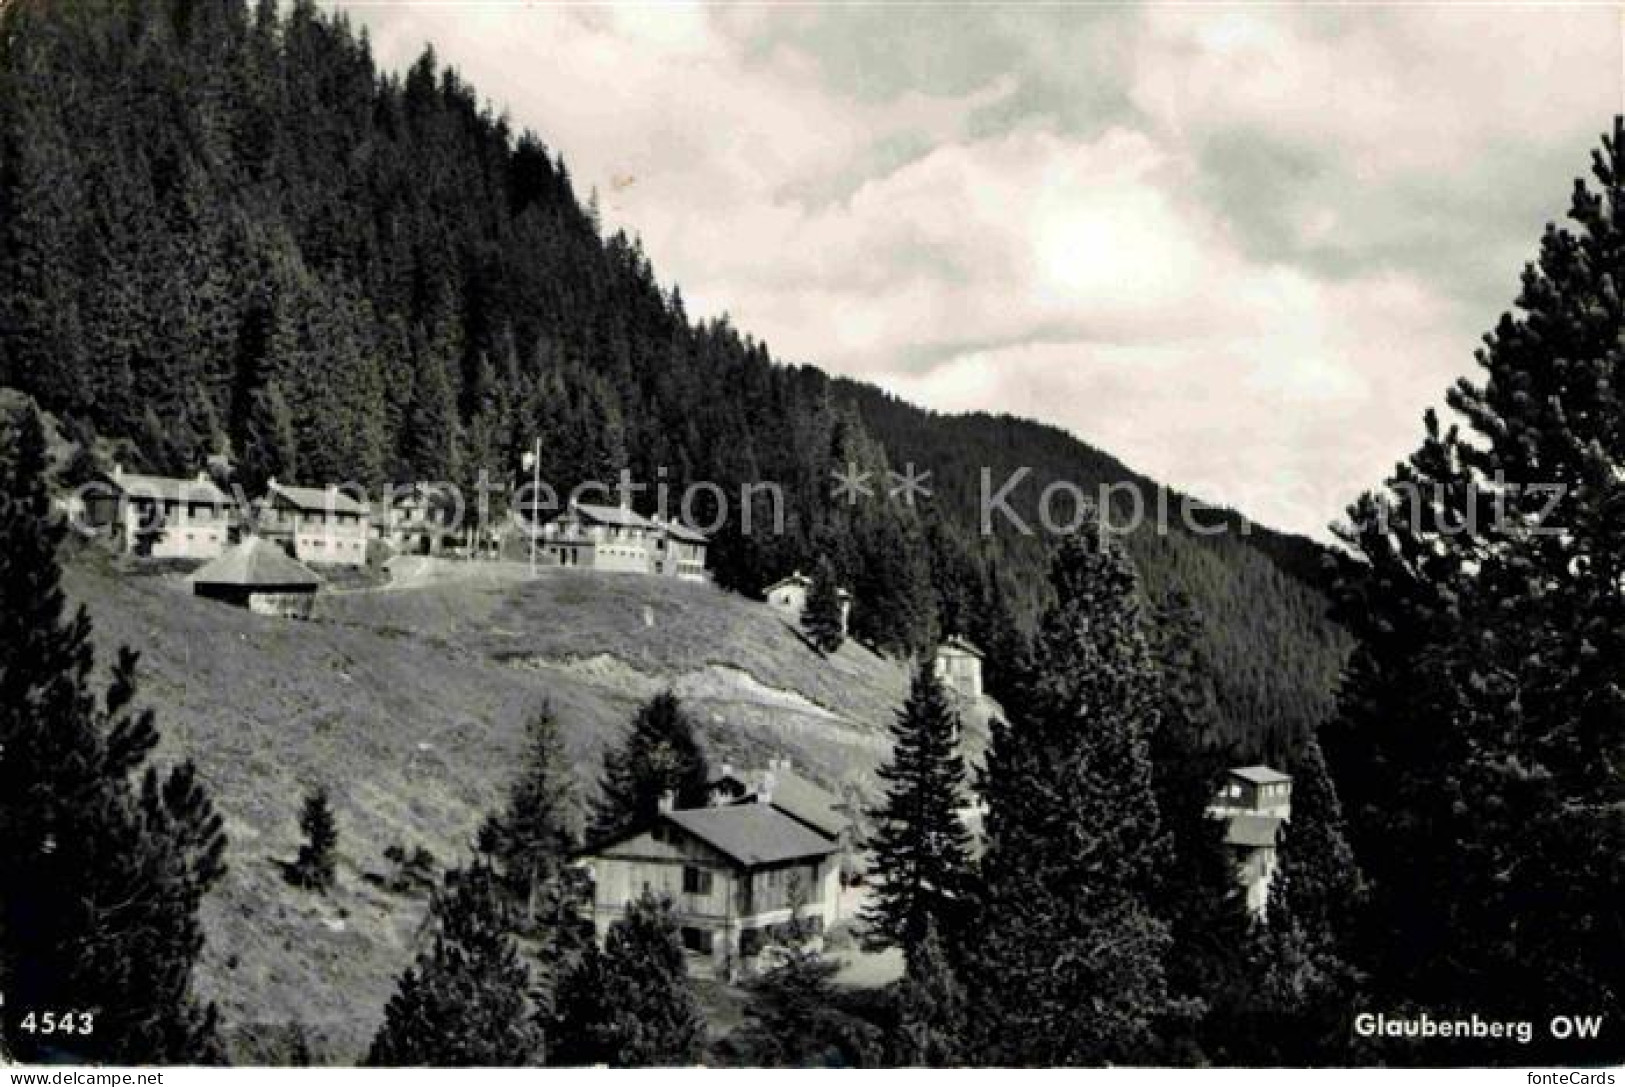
699 940
696 881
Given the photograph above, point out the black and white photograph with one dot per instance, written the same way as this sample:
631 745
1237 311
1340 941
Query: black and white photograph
811 535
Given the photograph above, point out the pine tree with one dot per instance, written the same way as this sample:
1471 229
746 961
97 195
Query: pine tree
632 1004
530 844
432 442
101 878
1198 893
1067 955
464 1003
821 618
533 838
660 755
1482 718
269 447
921 848
317 863
933 1010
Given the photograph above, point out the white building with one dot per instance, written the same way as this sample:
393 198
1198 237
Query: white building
1255 802
958 664
160 517
789 597
322 527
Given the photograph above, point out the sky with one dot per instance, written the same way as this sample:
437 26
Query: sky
1240 248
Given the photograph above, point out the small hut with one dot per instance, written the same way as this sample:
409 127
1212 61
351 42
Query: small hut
959 666
259 575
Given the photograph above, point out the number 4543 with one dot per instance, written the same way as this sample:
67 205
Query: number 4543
58 1023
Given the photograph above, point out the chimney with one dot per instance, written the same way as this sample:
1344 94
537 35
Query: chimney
764 794
725 770
118 471
667 802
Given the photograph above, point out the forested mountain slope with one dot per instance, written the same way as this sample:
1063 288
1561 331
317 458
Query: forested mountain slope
222 228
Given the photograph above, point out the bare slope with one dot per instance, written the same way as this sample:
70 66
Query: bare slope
410 707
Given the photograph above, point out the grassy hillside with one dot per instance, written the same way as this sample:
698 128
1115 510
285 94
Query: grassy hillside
327 270
410 706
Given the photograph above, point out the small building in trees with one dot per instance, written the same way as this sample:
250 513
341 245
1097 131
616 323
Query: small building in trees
789 596
258 575
160 517
417 518
959 666
621 539
1254 802
320 526
736 876
1255 790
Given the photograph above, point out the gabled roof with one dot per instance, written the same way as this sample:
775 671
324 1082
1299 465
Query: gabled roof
1260 775
316 499
801 579
794 795
1252 830
752 834
680 531
963 645
257 563
624 516
165 488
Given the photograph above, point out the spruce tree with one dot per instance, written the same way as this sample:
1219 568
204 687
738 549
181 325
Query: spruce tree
660 755
821 616
933 1013
632 1004
920 847
433 435
1481 722
104 860
533 838
465 1002
1067 953
269 445
1198 893
317 862
530 844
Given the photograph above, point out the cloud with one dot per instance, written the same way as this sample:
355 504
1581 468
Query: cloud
1241 250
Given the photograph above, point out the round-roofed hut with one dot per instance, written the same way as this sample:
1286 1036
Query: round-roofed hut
259 575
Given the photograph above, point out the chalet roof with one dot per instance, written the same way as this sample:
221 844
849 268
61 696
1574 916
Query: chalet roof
624 516
753 834
258 563
1252 830
165 488
680 531
801 579
962 645
794 795
1260 775
316 499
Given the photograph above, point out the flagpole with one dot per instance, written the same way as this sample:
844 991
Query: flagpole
535 489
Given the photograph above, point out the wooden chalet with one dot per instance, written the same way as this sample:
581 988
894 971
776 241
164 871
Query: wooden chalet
733 874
